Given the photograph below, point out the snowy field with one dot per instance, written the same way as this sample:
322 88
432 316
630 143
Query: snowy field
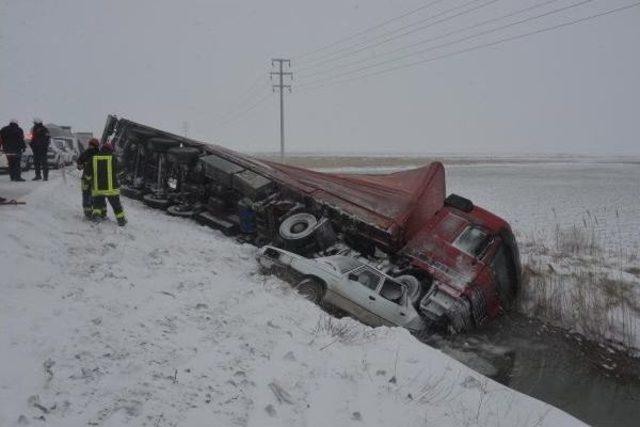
167 323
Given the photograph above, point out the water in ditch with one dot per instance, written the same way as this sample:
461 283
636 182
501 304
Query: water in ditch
593 383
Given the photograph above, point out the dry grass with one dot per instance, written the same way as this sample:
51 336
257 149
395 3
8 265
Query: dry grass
344 331
577 284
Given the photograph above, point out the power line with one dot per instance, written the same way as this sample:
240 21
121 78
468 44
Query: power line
456 41
432 39
252 92
366 30
244 112
337 55
484 45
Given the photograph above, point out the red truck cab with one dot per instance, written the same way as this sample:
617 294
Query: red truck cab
472 257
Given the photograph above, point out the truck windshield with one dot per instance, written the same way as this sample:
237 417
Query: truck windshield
472 240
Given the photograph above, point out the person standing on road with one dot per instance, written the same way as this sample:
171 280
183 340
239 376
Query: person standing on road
105 185
85 164
40 140
12 138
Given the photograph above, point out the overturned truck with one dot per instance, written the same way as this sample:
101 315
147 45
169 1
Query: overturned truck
464 257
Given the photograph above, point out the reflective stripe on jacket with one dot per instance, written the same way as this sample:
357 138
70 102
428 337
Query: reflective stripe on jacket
104 176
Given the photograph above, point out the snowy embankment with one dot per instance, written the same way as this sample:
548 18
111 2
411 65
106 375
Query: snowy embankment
165 322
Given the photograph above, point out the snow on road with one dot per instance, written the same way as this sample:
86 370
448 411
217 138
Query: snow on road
166 323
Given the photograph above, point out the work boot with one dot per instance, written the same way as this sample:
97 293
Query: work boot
122 222
37 178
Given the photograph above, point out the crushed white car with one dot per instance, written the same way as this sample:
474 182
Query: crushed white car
349 285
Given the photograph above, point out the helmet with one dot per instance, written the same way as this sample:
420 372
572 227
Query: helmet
107 146
15 121
93 143
37 120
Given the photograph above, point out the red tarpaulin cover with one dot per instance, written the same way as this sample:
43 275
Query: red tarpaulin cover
399 203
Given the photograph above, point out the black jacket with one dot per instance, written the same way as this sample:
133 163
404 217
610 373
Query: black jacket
12 138
85 161
40 137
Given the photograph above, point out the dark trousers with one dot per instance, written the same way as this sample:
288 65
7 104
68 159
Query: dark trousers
87 200
13 159
100 206
40 163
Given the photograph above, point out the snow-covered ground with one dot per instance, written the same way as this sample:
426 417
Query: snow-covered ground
166 323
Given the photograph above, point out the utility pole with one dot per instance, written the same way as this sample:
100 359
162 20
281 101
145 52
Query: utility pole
281 86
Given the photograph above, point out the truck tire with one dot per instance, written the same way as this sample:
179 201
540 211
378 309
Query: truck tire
183 155
310 289
298 230
414 287
153 202
183 211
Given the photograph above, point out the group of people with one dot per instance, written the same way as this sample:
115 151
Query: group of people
100 182
13 145
98 164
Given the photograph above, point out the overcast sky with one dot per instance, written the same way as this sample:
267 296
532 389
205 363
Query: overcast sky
167 63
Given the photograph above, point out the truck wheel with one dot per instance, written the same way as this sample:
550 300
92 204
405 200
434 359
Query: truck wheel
153 202
184 211
298 229
414 287
310 289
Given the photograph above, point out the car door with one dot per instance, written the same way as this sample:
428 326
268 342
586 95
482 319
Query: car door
390 303
358 293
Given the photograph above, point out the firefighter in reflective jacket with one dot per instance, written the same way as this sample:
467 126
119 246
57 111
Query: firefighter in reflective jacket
105 185
85 163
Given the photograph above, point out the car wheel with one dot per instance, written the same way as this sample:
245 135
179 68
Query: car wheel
298 229
310 289
414 287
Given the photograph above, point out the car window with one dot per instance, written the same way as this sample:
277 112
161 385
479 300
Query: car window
472 240
366 277
392 291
